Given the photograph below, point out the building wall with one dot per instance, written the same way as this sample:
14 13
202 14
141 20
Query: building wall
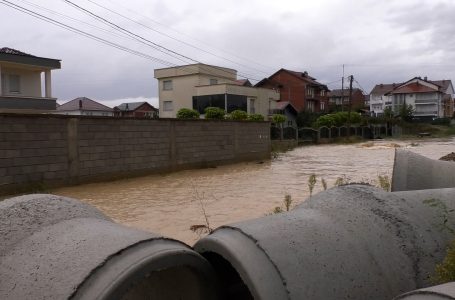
185 79
30 82
59 150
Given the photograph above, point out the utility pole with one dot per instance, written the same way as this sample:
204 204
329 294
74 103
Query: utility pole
351 78
342 90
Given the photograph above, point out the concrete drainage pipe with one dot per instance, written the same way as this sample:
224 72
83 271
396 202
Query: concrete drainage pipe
350 242
58 248
439 292
412 171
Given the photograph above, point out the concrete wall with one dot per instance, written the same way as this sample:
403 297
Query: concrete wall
60 150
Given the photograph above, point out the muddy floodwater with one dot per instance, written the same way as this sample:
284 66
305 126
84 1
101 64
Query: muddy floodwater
169 204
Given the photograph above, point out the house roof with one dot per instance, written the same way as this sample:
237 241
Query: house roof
131 106
384 88
284 104
7 50
300 75
444 84
83 103
243 82
339 92
414 87
16 56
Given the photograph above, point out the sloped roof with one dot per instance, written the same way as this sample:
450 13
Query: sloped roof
243 82
384 88
338 92
131 106
444 84
7 50
300 75
83 103
16 56
414 87
284 104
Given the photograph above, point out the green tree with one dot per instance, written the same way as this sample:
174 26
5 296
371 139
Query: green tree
186 113
406 112
279 120
214 113
388 112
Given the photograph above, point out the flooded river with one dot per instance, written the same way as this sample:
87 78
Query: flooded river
169 204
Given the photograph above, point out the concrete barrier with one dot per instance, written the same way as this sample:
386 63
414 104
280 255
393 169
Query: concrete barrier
58 248
350 242
439 292
412 171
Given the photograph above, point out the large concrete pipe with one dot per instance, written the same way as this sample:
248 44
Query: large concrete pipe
349 242
439 292
58 248
416 172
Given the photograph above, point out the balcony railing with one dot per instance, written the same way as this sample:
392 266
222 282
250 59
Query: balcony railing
33 103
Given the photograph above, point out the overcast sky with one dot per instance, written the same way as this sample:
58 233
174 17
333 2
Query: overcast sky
377 41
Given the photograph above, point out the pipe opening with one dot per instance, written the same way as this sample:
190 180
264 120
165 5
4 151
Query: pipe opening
181 282
231 284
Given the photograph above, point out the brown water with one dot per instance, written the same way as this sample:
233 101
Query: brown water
170 204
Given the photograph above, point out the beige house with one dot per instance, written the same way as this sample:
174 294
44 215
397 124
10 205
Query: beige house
21 87
199 86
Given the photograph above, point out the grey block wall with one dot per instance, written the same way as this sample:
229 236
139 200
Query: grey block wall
57 150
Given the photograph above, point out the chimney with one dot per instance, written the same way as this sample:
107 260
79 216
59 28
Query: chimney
425 78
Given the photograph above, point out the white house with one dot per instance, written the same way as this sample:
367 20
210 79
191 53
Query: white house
430 99
198 86
83 106
22 85
380 99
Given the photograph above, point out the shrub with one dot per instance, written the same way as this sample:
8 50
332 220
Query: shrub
278 119
256 117
214 113
186 113
238 115
441 121
338 119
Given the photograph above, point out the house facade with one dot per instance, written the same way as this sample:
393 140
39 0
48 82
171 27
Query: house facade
380 98
428 98
21 82
299 89
136 110
339 100
83 106
199 86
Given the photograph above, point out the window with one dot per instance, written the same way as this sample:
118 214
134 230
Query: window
14 83
3 83
322 106
167 85
310 92
322 92
252 108
167 106
213 81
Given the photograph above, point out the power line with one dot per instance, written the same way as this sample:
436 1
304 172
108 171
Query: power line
145 41
174 38
53 12
83 33
99 39
186 35
136 36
